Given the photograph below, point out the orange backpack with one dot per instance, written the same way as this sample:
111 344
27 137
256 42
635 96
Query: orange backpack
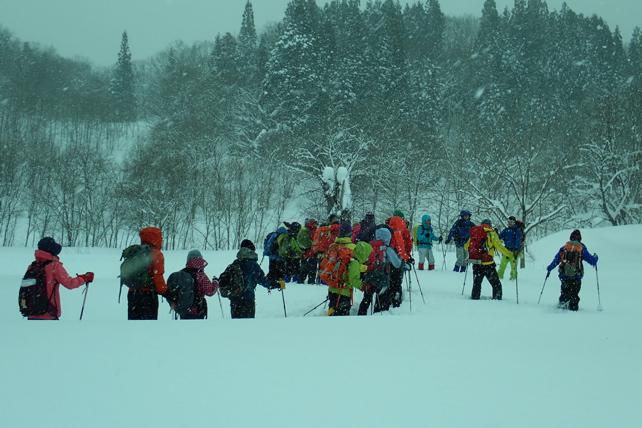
324 237
334 266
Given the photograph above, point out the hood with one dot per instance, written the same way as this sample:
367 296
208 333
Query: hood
197 263
152 236
246 254
397 223
362 251
45 256
384 235
425 219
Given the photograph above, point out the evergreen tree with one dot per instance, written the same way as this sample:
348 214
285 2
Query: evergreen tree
122 84
248 48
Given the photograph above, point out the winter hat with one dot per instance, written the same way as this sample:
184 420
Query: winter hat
384 235
487 221
333 218
246 243
370 217
398 213
576 235
49 245
346 230
194 254
512 218
463 213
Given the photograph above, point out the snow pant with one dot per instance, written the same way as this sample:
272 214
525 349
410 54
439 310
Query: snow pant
486 271
393 294
513 266
426 253
570 293
142 304
366 301
308 270
462 255
292 268
242 308
339 305
276 270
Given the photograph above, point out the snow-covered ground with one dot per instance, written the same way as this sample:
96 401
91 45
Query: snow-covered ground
450 363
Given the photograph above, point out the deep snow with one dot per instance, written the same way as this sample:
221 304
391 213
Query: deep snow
450 363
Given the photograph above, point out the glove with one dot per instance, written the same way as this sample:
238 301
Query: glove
281 284
548 273
87 277
411 261
441 238
407 267
596 257
448 241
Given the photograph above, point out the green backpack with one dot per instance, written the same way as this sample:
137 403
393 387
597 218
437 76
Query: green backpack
136 260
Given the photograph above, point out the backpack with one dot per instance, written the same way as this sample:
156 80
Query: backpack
478 246
270 246
181 291
378 273
134 268
231 283
571 260
32 297
334 266
325 238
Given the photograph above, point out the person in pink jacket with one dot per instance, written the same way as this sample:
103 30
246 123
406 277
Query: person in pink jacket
195 266
56 275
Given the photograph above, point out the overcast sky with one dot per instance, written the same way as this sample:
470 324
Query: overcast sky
92 28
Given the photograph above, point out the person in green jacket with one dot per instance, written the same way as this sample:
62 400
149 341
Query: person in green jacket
340 299
290 251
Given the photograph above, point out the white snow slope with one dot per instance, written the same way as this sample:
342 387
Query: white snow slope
452 362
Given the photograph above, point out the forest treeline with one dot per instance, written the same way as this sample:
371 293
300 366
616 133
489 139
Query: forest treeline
528 111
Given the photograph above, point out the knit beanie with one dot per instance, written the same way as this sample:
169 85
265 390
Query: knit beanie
246 243
576 235
398 213
487 221
49 245
194 254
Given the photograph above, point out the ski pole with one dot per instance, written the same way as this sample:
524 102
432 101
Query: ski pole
220 304
544 285
84 300
322 303
465 276
409 281
419 284
285 312
120 292
599 300
517 284
443 253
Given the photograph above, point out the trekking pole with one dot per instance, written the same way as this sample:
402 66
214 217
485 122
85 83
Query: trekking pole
409 280
544 285
220 304
517 285
285 312
84 299
599 300
465 276
120 292
322 303
419 284
443 253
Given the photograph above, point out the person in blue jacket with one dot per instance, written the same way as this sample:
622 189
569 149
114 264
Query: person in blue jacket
571 269
460 232
424 237
513 238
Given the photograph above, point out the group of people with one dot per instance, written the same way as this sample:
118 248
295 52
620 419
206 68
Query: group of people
367 256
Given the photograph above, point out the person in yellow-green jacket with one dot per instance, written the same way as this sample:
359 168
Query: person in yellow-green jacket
341 270
481 247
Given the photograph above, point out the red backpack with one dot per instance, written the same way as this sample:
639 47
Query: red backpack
334 266
378 273
478 246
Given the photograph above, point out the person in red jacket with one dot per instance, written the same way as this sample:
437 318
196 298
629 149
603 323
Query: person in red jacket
56 275
402 243
142 303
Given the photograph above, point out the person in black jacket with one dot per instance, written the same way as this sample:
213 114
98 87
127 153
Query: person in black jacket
460 232
245 305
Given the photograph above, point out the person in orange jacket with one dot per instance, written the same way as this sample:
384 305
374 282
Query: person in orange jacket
142 302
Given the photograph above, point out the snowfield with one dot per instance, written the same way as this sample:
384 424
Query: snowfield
452 362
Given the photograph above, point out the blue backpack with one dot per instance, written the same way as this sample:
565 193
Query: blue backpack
270 246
